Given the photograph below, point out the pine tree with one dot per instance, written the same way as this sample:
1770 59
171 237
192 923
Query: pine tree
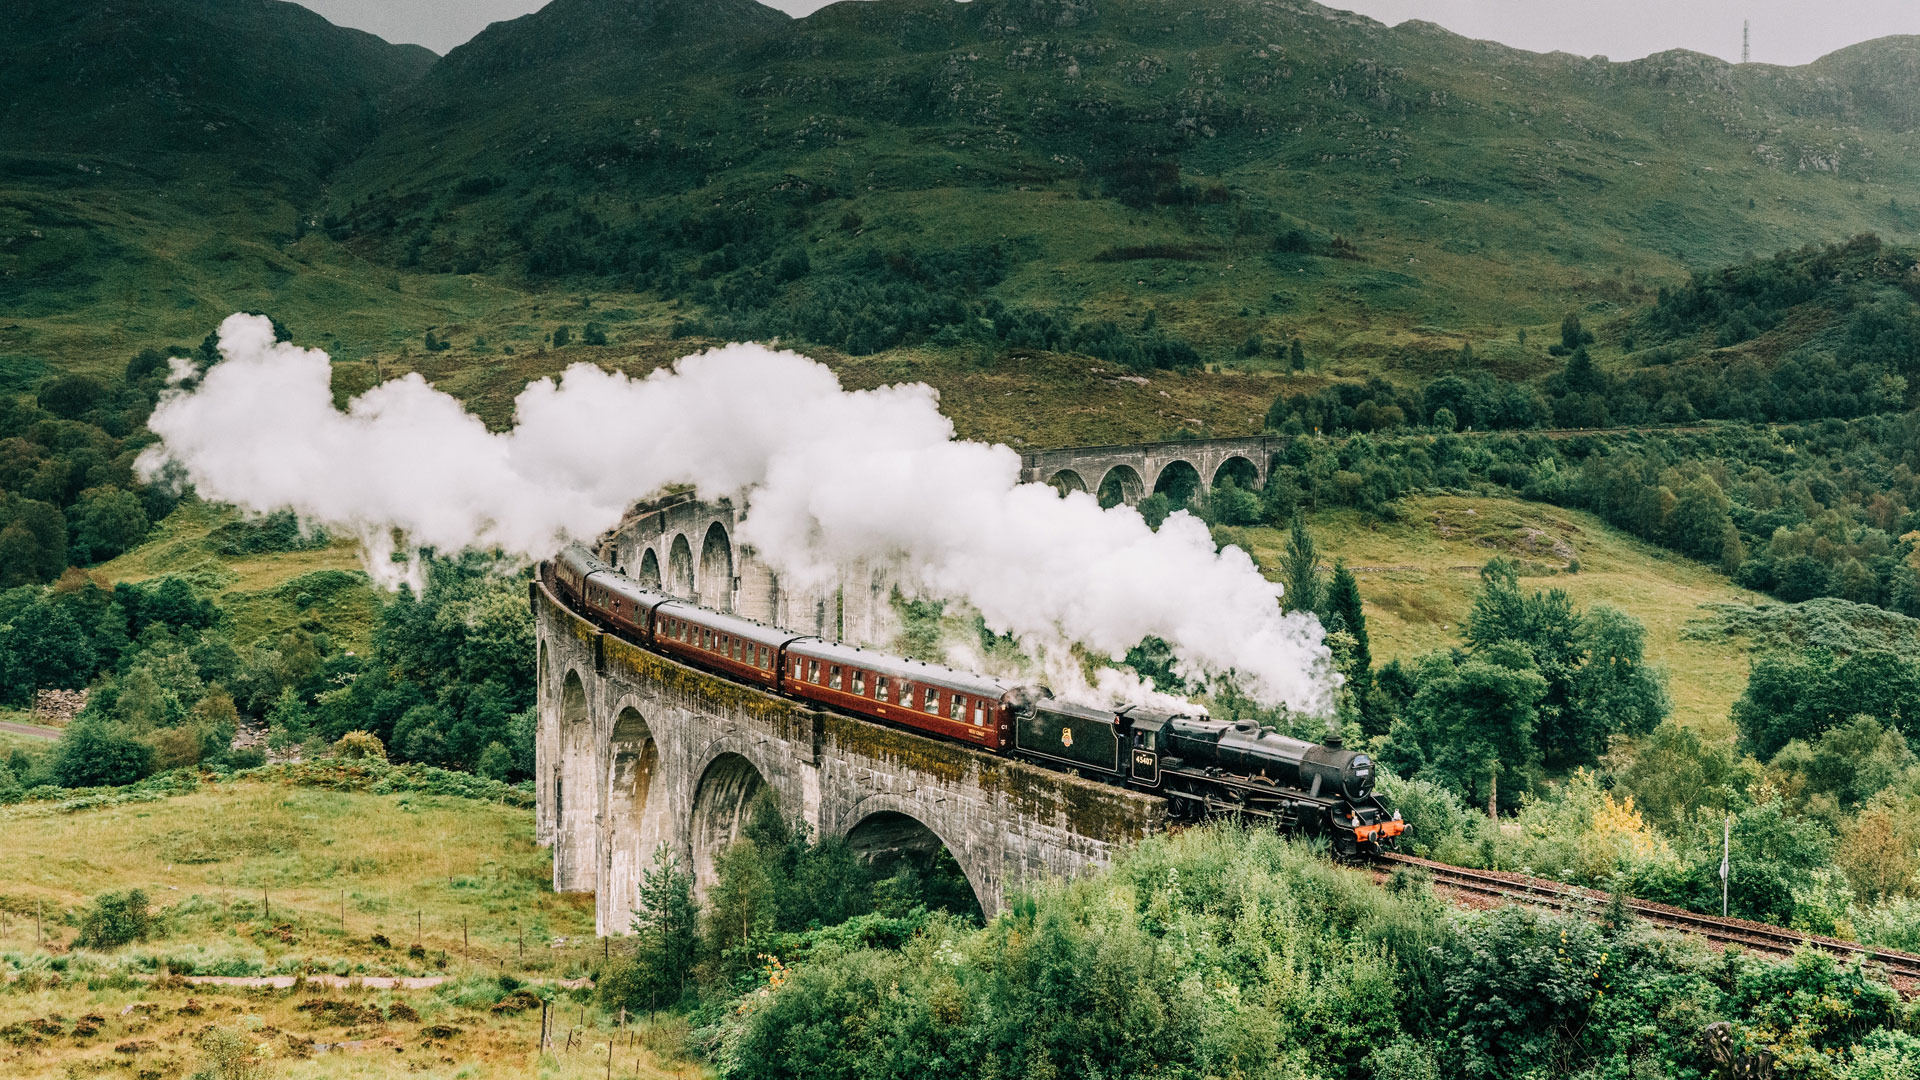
1306 591
1583 376
668 923
1297 355
1572 334
1343 607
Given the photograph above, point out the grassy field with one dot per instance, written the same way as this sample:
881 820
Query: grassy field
460 878
266 593
1418 577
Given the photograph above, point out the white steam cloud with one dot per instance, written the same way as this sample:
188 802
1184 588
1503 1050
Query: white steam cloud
827 476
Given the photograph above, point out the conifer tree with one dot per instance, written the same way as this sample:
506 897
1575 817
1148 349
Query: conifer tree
1306 590
1343 608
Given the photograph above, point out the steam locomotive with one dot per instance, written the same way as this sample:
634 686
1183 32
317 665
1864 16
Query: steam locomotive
1204 767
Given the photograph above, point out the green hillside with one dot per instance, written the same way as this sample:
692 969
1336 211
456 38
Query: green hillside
1276 169
153 154
1152 183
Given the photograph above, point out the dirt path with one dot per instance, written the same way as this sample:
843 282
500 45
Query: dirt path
30 730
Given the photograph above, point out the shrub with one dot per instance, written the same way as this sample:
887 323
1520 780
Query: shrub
230 1055
93 754
360 746
114 919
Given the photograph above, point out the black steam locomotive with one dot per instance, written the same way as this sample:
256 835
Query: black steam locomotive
1202 766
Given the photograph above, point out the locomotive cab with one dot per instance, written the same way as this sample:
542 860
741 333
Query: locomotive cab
1145 736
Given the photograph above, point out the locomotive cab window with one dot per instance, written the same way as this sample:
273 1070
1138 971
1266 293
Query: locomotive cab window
859 682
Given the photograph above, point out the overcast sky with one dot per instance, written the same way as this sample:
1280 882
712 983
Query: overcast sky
1784 31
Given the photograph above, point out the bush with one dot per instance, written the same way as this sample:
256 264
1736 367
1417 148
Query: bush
361 746
114 919
230 1055
93 754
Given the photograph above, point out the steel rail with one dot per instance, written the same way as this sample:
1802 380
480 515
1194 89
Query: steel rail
1561 896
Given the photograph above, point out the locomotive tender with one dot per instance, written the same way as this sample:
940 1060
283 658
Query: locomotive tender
1202 766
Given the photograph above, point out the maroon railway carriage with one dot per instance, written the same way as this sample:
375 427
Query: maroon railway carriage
624 604
740 647
573 567
960 705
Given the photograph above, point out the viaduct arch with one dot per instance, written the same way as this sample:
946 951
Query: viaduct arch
1127 474
636 753
691 549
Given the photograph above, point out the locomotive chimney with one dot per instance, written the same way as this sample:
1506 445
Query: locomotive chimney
1332 741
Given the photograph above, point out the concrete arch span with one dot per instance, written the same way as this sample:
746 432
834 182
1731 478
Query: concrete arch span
1066 481
680 567
1121 485
576 791
1178 480
723 803
715 584
1242 471
904 852
635 825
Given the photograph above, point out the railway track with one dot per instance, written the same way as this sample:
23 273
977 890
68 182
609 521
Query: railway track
1903 968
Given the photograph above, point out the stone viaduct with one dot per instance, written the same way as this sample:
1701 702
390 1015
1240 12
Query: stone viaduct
1130 473
634 751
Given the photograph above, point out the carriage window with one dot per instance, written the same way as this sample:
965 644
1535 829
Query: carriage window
833 677
763 659
860 682
933 701
736 648
813 671
979 715
956 707
880 687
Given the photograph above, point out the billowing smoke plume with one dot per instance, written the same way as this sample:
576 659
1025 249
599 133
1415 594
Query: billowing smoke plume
827 475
